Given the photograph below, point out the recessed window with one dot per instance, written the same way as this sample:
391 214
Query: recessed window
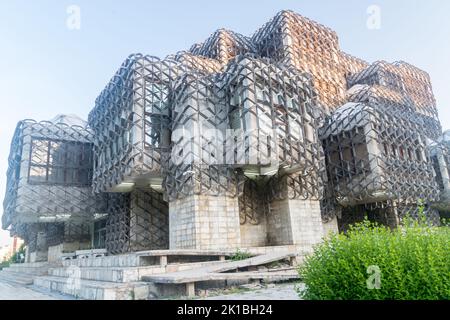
60 162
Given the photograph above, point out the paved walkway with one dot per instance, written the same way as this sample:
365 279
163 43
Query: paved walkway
277 292
18 292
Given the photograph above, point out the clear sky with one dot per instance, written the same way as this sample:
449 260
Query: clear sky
46 68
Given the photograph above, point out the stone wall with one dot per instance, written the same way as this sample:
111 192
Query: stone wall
204 222
55 252
330 227
279 231
254 235
295 222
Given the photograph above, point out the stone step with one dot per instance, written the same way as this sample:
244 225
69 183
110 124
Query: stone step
39 268
199 273
16 278
115 274
128 260
149 258
94 290
123 274
226 270
30 271
30 265
272 276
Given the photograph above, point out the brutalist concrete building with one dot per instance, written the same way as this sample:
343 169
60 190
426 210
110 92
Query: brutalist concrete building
275 139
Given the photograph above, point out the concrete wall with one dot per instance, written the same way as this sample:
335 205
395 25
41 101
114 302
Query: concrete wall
330 227
204 222
55 252
306 221
295 222
41 252
279 230
254 235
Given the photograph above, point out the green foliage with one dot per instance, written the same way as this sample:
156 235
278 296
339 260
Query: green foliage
240 255
4 264
16 258
414 264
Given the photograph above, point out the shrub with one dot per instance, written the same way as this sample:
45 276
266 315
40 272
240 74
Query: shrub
413 263
240 255
3 265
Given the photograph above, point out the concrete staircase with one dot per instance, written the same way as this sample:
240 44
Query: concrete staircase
119 277
147 274
238 272
24 273
94 289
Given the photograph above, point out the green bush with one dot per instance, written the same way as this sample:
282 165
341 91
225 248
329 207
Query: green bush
413 264
16 258
4 264
240 255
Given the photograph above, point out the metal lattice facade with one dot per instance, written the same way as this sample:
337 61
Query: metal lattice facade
440 155
377 144
270 126
49 176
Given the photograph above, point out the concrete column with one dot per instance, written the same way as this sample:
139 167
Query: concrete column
204 222
254 235
443 170
393 220
27 255
41 253
330 227
295 222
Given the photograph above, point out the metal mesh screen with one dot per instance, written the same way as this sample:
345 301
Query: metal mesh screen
137 221
131 119
283 114
376 145
308 46
49 174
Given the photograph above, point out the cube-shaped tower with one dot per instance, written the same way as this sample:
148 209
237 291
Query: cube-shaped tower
49 200
377 144
292 39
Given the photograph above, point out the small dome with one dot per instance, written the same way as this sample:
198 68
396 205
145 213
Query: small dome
70 119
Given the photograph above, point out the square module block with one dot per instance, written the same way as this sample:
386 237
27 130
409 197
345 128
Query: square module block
309 47
376 154
49 174
131 125
410 84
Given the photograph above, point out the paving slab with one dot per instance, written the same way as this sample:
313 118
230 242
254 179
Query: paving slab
277 292
20 292
205 273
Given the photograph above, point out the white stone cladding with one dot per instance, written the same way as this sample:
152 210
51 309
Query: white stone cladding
204 222
55 252
330 227
254 235
279 231
295 222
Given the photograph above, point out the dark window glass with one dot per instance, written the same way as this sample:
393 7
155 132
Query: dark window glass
99 234
60 162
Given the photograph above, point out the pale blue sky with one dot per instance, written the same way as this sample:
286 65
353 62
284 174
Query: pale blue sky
46 69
